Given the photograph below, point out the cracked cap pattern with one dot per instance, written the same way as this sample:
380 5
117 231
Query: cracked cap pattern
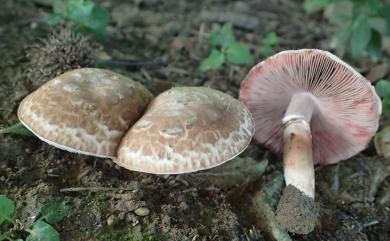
86 111
186 129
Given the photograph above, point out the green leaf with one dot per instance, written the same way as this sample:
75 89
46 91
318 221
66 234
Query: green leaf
237 53
382 87
7 208
371 6
270 39
340 37
47 3
214 38
386 104
98 20
54 212
214 61
227 35
385 12
265 50
379 24
360 37
79 9
88 14
224 37
42 231
312 6
339 13
374 47
59 7
17 129
54 19
2 236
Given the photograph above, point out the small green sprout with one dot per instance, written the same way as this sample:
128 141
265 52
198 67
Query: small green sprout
41 229
53 212
311 6
225 48
268 42
86 15
16 129
382 87
7 209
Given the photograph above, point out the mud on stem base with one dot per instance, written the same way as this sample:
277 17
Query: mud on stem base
296 212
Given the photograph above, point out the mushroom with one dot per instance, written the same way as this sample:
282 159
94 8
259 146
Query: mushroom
186 129
86 111
313 108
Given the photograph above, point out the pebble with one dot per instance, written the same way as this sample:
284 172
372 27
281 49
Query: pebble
142 212
110 220
382 142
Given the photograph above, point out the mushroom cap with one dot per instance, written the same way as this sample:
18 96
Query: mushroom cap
348 107
186 129
86 111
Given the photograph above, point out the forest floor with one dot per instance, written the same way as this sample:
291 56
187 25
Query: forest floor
111 203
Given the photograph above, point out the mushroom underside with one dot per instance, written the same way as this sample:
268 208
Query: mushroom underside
313 108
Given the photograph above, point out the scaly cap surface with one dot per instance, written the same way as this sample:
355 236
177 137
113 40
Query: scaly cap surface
86 110
186 129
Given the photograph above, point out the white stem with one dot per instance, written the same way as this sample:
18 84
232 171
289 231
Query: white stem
298 157
297 153
302 106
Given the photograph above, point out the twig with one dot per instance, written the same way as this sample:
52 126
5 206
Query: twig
201 34
176 70
97 189
146 74
336 179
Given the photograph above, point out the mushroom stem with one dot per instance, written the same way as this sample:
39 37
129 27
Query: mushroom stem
296 210
302 106
298 156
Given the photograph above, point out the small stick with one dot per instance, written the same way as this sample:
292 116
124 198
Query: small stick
96 189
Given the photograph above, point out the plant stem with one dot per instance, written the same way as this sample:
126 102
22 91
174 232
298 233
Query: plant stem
262 203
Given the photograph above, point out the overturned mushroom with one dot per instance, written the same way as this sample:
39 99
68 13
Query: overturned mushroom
315 109
86 111
186 129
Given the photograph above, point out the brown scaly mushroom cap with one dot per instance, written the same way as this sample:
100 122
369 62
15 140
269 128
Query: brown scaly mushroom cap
86 111
313 108
186 129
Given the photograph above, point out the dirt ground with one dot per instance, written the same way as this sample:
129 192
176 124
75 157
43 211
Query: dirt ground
110 203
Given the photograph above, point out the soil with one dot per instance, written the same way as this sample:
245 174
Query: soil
110 203
296 212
